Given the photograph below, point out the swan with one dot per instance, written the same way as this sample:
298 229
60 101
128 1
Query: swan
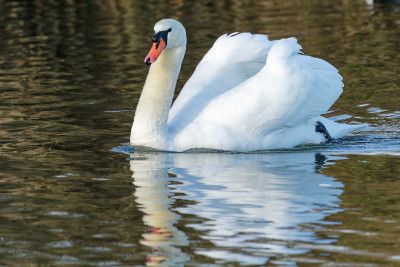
247 94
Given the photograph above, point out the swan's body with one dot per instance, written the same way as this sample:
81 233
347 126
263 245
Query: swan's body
247 93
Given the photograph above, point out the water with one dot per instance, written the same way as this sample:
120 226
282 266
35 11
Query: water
73 193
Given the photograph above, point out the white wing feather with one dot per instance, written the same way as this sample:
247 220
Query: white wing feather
232 59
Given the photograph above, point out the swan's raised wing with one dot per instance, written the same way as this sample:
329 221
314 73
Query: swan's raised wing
288 91
232 59
297 87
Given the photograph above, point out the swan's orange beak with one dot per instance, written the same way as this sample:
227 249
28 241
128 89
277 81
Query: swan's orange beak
155 51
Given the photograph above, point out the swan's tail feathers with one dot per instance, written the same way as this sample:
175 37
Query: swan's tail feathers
338 130
240 47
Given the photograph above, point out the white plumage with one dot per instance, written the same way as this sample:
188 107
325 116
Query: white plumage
246 94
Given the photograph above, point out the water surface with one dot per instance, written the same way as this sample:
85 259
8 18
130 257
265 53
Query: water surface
72 192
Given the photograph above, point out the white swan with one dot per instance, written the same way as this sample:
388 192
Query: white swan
246 94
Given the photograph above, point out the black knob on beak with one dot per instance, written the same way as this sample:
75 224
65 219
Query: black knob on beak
148 61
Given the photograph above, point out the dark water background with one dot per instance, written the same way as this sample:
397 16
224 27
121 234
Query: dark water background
71 73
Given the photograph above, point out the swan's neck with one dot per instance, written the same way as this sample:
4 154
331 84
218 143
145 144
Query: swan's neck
150 124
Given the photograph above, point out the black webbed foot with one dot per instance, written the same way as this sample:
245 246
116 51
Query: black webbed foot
320 128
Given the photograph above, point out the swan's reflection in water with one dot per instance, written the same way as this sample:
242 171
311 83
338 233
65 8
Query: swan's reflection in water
152 193
250 207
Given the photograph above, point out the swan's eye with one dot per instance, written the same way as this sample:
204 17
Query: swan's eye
155 38
161 34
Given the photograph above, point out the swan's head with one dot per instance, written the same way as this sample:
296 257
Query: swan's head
168 34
